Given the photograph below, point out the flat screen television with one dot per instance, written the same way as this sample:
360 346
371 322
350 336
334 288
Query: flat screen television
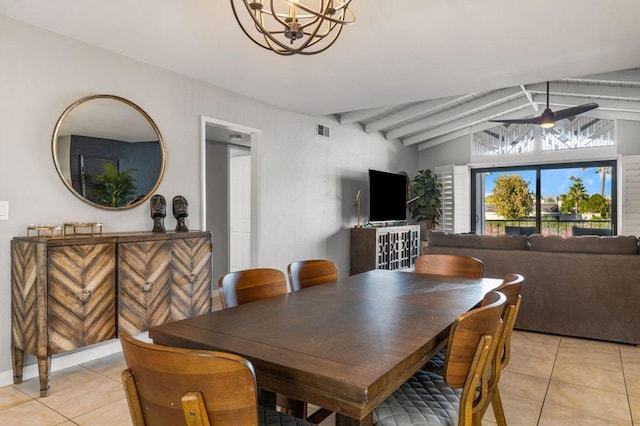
387 196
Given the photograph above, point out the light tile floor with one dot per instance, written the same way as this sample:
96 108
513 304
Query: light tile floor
550 380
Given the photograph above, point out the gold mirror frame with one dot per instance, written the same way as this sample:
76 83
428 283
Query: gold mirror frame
66 176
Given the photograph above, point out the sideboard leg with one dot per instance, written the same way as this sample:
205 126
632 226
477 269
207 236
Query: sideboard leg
43 371
17 356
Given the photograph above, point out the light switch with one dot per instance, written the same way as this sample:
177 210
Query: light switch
4 210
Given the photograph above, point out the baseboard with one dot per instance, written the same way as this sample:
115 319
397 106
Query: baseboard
65 360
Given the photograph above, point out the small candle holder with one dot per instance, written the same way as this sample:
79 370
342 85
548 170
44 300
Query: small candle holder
82 228
44 231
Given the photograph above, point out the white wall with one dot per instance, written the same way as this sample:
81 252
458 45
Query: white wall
307 183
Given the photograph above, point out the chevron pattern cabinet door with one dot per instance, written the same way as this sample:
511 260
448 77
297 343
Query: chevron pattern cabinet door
81 301
24 273
144 273
190 277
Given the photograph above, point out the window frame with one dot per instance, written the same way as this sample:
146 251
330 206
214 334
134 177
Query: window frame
613 164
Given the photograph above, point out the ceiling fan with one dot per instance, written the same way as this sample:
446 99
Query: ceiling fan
548 118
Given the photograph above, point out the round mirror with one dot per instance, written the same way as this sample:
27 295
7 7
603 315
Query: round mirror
108 152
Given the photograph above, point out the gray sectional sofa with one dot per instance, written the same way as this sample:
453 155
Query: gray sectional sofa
587 286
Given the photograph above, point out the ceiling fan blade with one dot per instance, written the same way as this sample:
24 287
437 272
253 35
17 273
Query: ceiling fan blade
534 120
573 111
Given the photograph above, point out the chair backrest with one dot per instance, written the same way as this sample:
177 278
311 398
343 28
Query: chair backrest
450 265
250 285
307 273
467 332
511 287
165 385
472 344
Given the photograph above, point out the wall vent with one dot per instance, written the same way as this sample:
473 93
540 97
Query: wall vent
322 130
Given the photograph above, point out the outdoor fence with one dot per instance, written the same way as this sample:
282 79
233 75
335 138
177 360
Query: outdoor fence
548 227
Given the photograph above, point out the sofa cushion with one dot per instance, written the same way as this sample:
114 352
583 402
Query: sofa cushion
585 244
495 242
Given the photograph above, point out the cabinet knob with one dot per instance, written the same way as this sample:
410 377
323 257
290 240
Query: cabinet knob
148 285
85 295
193 278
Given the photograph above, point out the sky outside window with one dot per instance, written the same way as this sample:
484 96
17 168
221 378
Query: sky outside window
556 181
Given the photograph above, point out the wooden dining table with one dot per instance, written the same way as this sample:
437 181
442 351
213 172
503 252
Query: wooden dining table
344 345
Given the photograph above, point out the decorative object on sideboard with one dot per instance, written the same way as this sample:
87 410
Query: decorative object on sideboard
357 204
181 212
289 27
44 231
82 228
158 207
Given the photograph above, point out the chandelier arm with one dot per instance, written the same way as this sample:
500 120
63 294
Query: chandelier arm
279 17
284 50
324 48
327 17
306 43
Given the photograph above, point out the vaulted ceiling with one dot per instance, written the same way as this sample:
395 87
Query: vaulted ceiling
432 122
422 71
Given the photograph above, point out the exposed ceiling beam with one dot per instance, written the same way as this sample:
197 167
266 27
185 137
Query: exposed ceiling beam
478 117
359 115
593 91
616 77
529 98
444 138
469 108
422 108
557 102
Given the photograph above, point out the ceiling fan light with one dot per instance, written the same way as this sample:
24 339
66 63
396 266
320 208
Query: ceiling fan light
546 124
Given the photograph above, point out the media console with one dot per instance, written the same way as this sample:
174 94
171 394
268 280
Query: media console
389 247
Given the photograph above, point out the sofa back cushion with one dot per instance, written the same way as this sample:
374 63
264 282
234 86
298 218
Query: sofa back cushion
620 244
497 242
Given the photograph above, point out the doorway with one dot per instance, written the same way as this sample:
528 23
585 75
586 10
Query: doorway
228 195
239 208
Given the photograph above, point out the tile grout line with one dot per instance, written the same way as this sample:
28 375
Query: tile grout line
546 392
626 388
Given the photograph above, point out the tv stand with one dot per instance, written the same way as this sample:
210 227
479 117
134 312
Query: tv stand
388 247
386 224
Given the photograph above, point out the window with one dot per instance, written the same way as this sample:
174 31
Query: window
550 199
577 133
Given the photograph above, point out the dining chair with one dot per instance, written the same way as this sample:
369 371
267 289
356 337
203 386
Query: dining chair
303 274
511 287
307 273
250 285
458 395
175 386
450 265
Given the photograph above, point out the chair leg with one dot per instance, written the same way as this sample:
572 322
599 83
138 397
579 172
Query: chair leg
498 411
319 415
291 406
130 391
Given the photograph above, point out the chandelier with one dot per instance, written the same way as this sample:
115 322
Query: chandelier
290 27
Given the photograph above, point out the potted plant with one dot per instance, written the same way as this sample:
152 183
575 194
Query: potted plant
114 188
426 205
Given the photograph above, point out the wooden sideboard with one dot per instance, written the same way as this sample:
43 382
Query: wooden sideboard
76 291
389 247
